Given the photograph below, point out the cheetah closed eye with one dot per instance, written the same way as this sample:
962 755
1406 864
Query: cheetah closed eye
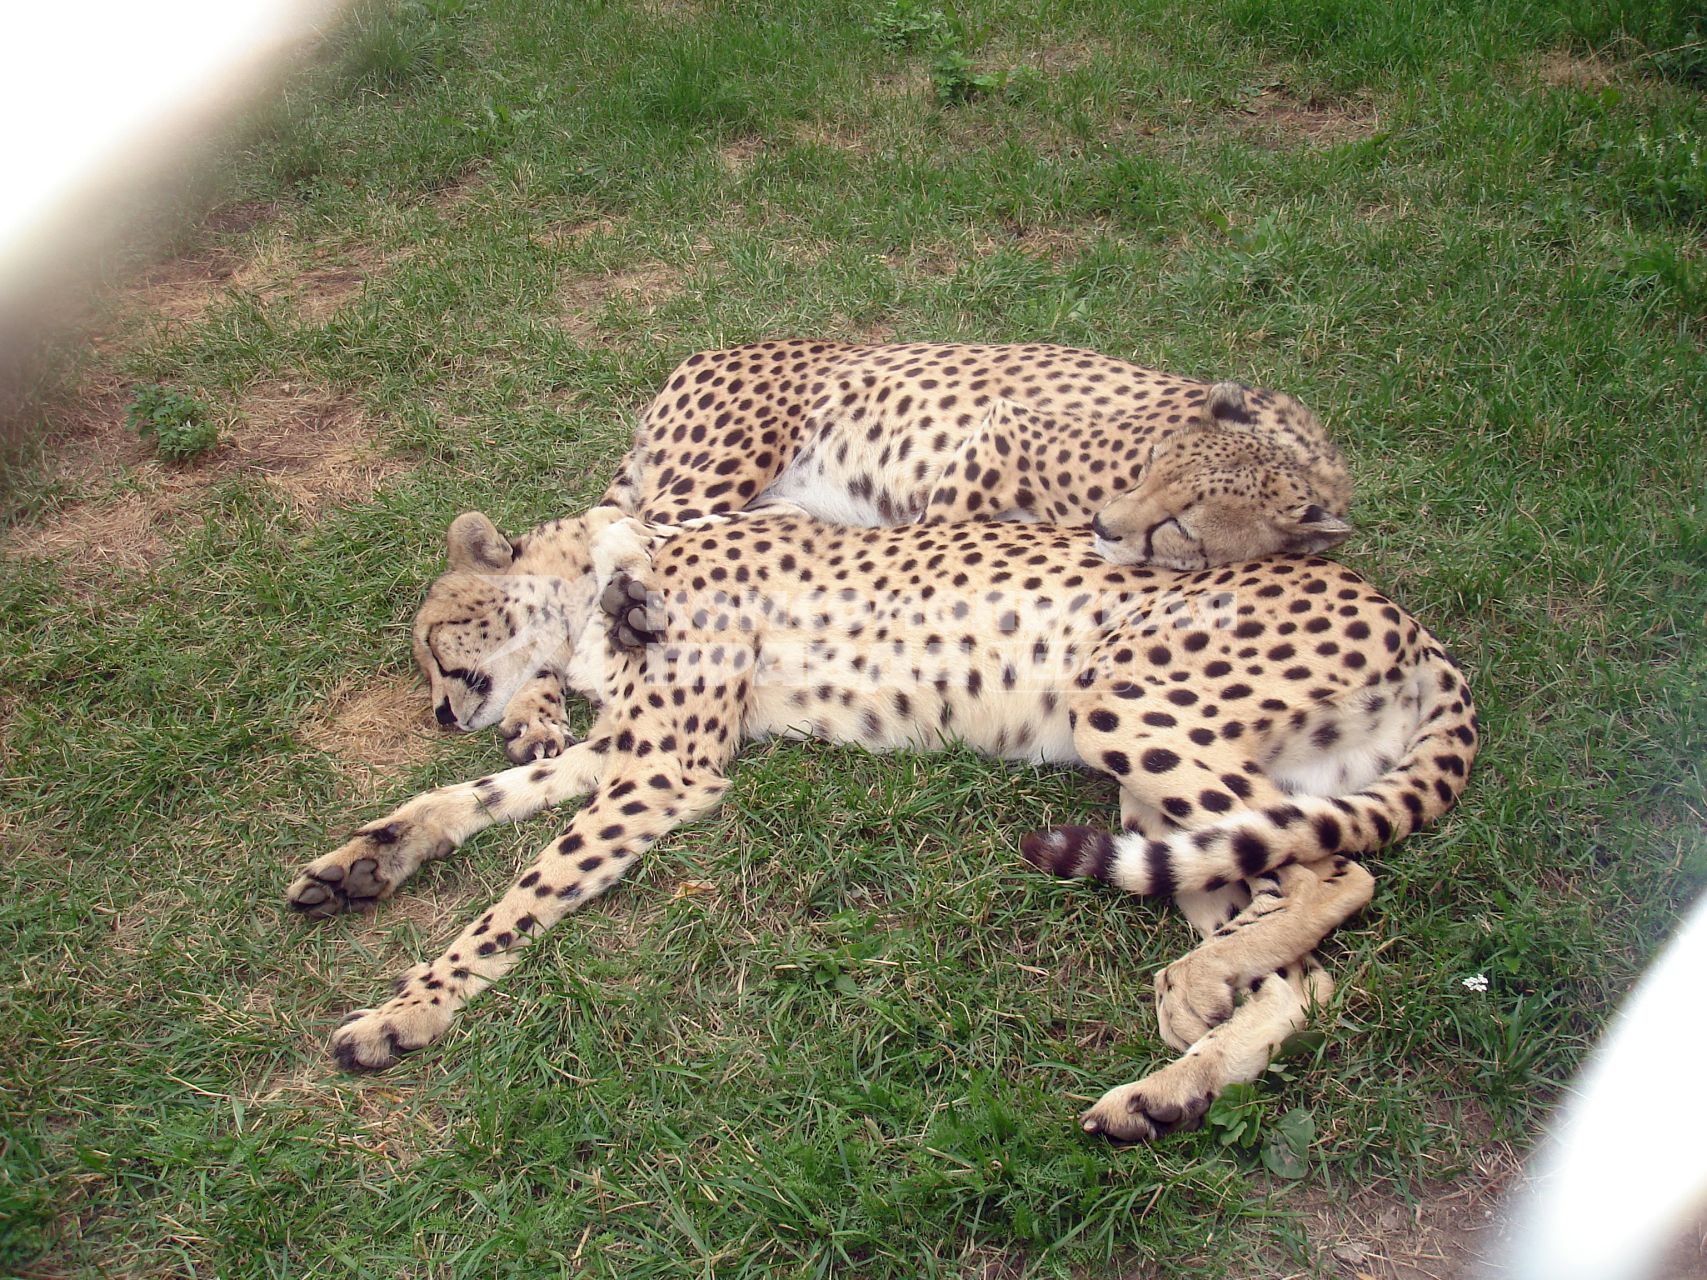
1265 723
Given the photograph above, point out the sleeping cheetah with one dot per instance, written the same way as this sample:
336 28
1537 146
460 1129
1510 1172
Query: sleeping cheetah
1265 722
1184 474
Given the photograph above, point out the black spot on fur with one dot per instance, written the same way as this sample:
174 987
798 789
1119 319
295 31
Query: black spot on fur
1159 760
1252 852
1328 833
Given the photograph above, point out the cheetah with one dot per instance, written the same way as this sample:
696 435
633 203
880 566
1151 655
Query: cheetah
1265 722
1177 473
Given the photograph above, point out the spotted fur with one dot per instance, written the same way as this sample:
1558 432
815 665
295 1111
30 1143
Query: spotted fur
890 434
1265 722
1184 474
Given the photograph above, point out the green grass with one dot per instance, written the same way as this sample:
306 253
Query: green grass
862 1052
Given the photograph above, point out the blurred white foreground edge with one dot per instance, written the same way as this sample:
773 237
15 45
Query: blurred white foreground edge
1625 1167
94 91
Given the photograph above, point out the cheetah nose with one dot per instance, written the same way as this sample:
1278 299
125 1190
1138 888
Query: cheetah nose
1102 530
445 715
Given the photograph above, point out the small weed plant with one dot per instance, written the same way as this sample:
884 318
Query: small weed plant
954 77
1239 1119
910 24
904 25
179 421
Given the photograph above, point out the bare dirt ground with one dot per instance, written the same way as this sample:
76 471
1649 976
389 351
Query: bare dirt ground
582 298
1450 1230
310 445
1560 67
377 730
1441 1234
1278 119
314 449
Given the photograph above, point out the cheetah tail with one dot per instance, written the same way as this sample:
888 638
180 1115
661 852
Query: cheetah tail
1424 784
624 490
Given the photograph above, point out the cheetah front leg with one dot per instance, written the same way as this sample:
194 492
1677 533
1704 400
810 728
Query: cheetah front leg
380 856
622 566
646 791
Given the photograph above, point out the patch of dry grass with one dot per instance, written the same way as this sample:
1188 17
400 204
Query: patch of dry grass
581 299
1275 118
311 447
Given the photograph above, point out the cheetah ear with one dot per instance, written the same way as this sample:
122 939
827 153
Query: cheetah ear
1309 529
475 545
1226 404
1224 408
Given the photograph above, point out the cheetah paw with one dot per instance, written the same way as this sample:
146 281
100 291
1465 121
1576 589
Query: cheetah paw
631 610
624 544
374 1039
534 737
367 868
369 1040
1172 1100
1193 995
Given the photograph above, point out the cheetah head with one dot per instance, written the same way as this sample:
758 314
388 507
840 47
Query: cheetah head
1215 496
505 612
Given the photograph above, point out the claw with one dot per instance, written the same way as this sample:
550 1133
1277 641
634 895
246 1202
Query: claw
528 740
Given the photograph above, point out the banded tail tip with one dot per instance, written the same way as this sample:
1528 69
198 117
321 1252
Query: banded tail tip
1070 851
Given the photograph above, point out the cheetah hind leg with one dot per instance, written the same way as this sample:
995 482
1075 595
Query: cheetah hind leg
1246 1032
1245 935
981 480
1176 1097
1207 909
1236 998
1292 909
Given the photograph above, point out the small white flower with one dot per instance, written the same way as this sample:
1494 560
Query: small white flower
1476 982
